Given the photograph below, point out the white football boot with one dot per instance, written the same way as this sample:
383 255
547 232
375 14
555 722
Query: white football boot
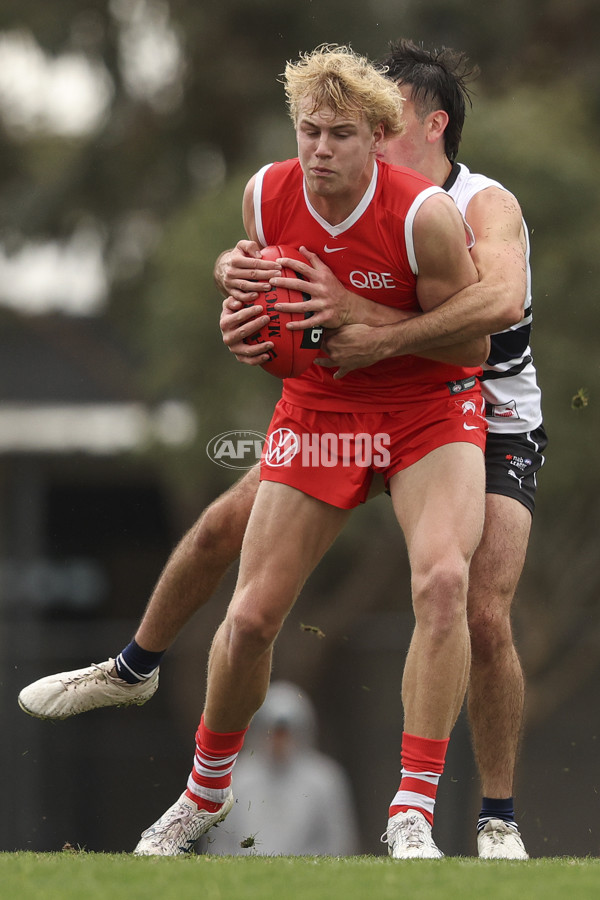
408 836
498 840
178 829
70 693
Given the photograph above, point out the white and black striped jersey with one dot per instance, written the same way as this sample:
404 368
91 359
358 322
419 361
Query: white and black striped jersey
508 383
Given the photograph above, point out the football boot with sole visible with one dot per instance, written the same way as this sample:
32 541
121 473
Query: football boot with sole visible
70 693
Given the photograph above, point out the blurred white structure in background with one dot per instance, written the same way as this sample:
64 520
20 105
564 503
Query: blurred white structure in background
70 95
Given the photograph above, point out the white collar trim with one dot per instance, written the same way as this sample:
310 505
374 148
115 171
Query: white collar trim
335 230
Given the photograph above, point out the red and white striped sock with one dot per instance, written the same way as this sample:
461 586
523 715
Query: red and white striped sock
210 779
422 764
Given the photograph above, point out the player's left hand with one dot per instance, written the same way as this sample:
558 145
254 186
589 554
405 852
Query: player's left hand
239 321
351 347
330 302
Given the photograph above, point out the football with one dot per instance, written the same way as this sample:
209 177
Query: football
293 351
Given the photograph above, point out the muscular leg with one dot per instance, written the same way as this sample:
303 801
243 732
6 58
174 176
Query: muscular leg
197 564
496 689
287 535
439 502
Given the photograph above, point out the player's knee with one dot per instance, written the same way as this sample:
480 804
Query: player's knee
444 579
251 628
219 532
439 595
491 634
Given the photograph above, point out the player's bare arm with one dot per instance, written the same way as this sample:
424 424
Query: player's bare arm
499 253
356 342
444 264
492 304
496 301
241 272
355 320
359 346
445 268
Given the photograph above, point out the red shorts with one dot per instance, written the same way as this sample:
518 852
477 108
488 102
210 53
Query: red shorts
332 456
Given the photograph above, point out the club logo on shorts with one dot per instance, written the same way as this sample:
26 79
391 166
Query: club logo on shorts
470 411
466 384
282 445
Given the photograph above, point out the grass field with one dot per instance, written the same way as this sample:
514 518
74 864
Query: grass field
91 876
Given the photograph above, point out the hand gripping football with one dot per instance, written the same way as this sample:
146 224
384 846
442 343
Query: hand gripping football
293 351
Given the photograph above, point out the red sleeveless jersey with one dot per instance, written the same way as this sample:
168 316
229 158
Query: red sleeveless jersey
372 254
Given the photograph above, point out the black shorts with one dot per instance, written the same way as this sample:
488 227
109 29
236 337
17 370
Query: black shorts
512 462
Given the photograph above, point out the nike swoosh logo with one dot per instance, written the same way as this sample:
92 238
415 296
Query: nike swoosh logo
333 249
470 427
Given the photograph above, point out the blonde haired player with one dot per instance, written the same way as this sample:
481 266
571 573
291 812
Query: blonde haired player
407 240
344 82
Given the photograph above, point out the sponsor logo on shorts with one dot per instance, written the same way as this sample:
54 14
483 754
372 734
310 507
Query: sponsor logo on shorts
282 445
327 450
516 477
519 462
504 410
236 449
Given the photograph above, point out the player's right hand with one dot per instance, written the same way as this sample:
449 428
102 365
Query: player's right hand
238 321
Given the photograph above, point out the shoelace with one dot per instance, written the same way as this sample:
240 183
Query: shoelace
412 829
499 834
98 675
179 815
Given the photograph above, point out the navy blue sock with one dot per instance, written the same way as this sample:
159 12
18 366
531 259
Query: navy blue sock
491 808
135 664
